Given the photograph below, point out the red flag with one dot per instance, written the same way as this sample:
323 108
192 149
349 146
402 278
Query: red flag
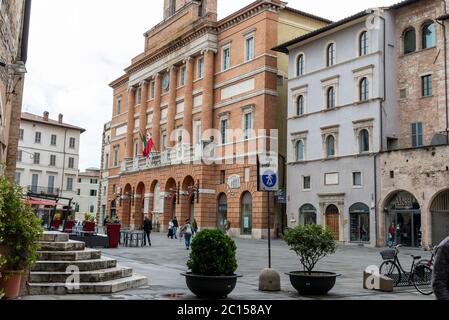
148 146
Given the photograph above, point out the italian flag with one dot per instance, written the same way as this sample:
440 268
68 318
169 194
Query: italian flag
147 143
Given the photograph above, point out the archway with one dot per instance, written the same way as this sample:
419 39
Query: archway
126 205
247 213
359 216
333 220
222 211
171 200
139 205
403 219
439 211
307 214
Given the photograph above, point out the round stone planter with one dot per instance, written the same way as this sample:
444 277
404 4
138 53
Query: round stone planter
316 283
211 287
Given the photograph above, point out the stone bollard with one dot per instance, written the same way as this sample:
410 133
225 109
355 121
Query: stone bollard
269 280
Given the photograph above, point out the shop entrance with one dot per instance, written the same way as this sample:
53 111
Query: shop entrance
222 217
440 217
333 221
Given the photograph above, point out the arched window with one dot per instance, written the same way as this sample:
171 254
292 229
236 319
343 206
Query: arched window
307 214
299 148
247 213
330 97
364 89
300 105
428 35
300 64
364 141
330 146
330 55
409 39
363 43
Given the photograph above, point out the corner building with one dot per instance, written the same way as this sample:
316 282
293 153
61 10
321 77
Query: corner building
197 74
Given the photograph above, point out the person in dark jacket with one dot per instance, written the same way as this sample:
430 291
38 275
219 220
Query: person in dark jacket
440 274
147 228
175 227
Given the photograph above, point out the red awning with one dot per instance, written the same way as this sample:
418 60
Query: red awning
43 202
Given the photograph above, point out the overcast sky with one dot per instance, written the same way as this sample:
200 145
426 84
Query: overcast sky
77 47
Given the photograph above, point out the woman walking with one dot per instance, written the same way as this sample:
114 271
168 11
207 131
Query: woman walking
187 231
170 229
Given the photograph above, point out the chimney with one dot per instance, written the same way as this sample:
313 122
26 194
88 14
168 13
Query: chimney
60 117
46 115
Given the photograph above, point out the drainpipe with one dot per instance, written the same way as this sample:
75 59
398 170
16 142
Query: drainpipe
445 70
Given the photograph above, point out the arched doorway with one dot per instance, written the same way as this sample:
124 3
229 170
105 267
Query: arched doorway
439 210
333 220
307 214
126 204
189 199
247 214
139 204
222 212
403 219
171 196
359 216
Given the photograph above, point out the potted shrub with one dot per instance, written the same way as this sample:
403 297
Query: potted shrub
311 243
20 231
213 264
89 222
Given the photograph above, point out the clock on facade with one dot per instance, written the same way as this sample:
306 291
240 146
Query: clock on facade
165 82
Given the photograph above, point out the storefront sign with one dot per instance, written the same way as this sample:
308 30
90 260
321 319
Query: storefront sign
404 201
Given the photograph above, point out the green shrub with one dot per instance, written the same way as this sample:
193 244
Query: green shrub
89 217
20 229
311 243
213 254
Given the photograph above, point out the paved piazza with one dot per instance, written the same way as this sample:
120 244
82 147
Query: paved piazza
165 260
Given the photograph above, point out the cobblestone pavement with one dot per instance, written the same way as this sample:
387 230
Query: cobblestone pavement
165 261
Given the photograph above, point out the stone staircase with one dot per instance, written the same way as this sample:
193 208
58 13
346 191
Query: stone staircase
59 257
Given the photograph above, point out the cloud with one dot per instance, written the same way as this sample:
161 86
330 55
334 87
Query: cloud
77 47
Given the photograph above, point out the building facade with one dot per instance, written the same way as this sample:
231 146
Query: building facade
197 80
48 155
14 22
335 125
104 173
86 199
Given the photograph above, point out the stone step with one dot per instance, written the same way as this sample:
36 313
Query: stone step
106 287
84 276
82 265
53 236
87 254
62 246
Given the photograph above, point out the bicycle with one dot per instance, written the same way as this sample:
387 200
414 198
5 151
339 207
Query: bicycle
420 275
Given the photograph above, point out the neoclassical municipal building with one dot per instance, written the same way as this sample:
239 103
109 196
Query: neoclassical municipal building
199 73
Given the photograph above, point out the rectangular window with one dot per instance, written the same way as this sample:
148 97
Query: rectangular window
164 140
72 143
78 192
37 137
19 155
182 79
200 66
248 122
197 132
417 134
93 193
34 182
53 140
18 177
249 48
119 105
51 184
71 163
37 158
69 184
21 133
52 160
115 160
79 180
224 126
331 179
222 177
106 161
138 96
152 90
226 59
356 179
93 181
426 85
306 183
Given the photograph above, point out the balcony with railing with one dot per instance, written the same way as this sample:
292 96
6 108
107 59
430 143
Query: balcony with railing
49 191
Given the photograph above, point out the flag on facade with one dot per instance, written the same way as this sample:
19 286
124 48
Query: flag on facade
147 143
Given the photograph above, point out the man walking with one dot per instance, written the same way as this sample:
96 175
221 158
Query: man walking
175 227
147 228
440 274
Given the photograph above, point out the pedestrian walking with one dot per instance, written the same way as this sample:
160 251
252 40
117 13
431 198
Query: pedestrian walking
175 227
170 230
440 274
147 228
187 232
194 227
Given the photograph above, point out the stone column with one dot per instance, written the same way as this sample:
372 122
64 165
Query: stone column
208 92
172 105
143 115
188 99
157 112
130 132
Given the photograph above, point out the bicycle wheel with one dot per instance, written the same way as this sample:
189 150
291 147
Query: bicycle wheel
391 270
422 279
